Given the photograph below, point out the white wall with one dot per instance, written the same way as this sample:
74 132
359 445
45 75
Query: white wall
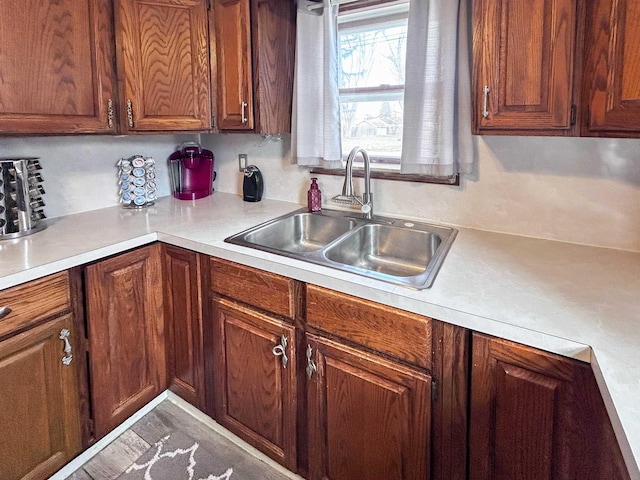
572 189
580 190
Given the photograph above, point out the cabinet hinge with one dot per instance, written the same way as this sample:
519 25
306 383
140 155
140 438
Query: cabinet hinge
574 112
435 393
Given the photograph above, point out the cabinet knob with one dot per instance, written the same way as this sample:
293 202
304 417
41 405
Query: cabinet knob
130 112
485 109
280 351
311 366
64 336
4 311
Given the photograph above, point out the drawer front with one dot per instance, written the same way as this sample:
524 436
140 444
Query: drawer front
34 301
258 288
387 330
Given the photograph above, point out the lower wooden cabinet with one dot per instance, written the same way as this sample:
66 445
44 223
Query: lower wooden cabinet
367 417
183 323
254 378
537 416
125 327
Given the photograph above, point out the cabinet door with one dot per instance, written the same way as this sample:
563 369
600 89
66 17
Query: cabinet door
254 373
126 335
39 411
536 416
523 56
183 319
368 417
612 68
163 65
56 72
230 19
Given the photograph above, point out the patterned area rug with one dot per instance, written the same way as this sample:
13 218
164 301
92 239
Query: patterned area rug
177 457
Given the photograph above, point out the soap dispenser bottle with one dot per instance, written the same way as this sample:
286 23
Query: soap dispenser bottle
314 197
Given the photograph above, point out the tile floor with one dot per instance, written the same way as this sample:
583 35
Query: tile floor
167 418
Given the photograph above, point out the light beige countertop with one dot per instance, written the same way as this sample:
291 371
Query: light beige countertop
578 301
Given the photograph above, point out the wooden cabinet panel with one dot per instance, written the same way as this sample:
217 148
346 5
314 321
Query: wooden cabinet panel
368 418
57 70
612 68
255 52
232 27
526 420
163 65
183 319
34 301
384 329
39 411
126 334
267 291
254 389
523 54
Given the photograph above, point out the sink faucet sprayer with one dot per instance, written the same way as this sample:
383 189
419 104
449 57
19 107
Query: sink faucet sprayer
348 196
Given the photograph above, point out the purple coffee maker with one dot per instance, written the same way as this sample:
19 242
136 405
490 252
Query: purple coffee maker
191 170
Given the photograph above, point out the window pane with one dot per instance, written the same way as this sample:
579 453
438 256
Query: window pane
372 59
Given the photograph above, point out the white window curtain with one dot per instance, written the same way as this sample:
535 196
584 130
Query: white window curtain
315 135
436 137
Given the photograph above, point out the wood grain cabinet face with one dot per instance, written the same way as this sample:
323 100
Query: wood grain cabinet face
523 61
255 49
57 70
368 418
183 319
163 65
126 335
254 374
612 68
536 415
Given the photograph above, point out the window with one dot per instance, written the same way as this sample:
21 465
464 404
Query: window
372 58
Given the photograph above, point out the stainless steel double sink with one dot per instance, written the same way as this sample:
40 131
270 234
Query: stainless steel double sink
397 251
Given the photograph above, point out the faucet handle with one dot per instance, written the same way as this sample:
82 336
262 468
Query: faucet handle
365 208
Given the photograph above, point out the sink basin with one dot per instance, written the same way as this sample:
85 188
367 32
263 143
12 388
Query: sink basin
385 249
392 250
302 232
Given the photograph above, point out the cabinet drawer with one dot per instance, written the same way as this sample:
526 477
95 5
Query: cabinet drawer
397 333
258 288
34 301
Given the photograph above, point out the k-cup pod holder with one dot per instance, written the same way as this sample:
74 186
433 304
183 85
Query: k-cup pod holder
137 181
21 203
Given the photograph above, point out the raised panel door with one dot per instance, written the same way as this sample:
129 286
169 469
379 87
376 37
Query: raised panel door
368 417
163 65
523 60
254 378
57 72
39 410
612 68
231 22
183 317
125 327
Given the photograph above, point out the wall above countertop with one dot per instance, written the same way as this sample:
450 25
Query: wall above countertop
579 190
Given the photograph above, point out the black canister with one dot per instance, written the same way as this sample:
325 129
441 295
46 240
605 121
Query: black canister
252 186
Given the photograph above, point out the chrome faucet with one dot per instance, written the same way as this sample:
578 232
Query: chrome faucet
348 196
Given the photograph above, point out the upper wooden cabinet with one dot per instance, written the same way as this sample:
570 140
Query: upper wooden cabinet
56 68
163 65
255 50
612 68
523 55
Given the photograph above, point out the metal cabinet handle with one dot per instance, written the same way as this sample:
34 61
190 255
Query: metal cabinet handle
485 111
280 351
130 112
244 117
311 366
64 336
110 113
4 311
